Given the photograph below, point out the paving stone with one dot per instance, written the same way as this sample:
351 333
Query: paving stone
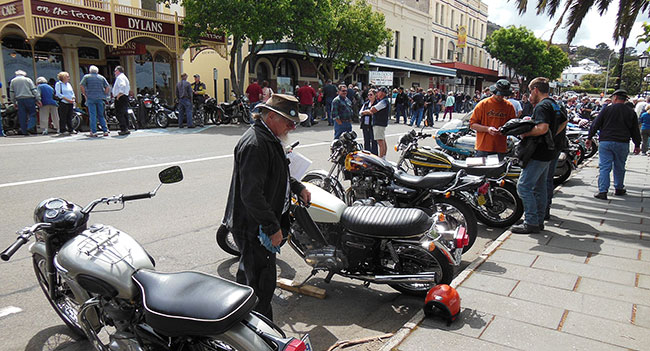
623 264
530 337
574 301
545 250
470 322
618 226
644 281
642 316
632 217
583 224
614 291
540 238
617 333
525 311
584 270
514 257
516 272
424 339
490 283
587 243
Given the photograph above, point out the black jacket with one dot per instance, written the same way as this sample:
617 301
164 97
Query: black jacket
617 122
259 184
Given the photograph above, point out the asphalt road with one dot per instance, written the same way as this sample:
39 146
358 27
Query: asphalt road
177 227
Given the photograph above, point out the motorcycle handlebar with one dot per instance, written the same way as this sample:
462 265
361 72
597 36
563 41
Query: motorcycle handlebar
11 250
136 197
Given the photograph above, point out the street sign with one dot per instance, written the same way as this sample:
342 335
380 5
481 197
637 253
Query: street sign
380 78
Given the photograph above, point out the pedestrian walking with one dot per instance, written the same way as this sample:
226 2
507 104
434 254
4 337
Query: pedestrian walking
184 93
260 195
366 123
644 123
121 89
617 124
65 93
254 94
95 88
532 184
342 112
449 106
400 105
23 93
438 101
49 107
381 114
429 107
329 93
488 116
306 96
417 108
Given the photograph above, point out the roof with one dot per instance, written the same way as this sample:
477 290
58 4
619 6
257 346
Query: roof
468 68
377 61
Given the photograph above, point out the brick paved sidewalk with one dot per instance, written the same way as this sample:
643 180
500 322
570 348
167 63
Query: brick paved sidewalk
583 284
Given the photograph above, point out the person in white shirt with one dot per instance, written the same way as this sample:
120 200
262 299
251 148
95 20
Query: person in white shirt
120 92
516 104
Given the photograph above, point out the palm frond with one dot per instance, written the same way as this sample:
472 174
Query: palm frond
579 11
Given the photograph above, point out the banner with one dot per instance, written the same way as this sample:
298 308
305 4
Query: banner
380 78
462 37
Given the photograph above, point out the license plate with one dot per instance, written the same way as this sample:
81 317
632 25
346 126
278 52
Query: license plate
305 339
481 200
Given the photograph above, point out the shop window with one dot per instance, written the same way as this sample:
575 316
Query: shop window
17 55
163 74
286 77
48 58
262 72
150 5
144 73
450 51
88 53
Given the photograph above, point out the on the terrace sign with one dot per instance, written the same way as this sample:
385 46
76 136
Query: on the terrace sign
72 13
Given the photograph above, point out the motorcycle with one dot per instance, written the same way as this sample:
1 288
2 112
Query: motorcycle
499 206
456 138
375 181
402 247
111 116
210 110
171 114
104 286
237 109
9 115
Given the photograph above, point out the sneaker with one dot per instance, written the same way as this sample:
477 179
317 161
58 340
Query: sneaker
602 196
525 229
105 133
620 192
74 132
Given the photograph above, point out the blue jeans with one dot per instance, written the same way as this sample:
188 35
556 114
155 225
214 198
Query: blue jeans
532 191
417 116
549 183
185 112
345 126
26 107
369 142
96 109
400 110
612 153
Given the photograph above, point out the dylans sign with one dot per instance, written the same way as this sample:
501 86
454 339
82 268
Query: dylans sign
130 48
144 25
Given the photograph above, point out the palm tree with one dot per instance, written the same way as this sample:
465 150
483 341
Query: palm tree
628 10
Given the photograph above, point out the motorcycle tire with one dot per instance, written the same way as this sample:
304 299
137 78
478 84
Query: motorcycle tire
162 121
459 212
213 117
133 122
503 198
592 150
226 241
222 118
246 116
76 122
562 175
63 306
411 259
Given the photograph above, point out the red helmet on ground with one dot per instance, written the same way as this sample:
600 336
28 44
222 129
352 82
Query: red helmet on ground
442 300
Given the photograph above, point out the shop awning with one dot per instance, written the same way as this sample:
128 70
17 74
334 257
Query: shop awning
469 69
385 62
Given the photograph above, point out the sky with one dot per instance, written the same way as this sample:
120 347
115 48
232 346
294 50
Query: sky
594 29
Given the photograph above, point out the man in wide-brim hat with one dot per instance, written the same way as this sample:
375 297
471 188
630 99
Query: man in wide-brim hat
259 197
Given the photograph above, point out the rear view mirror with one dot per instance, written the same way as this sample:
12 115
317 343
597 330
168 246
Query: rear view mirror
170 175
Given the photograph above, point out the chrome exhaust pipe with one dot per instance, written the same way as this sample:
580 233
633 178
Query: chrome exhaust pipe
401 278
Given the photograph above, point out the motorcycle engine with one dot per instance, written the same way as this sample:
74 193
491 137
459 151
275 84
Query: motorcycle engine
366 187
328 258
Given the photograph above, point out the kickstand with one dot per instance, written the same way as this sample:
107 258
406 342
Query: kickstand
329 277
312 274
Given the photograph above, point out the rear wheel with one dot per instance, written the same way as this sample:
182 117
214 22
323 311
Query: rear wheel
562 174
64 302
416 260
76 121
458 213
226 241
505 209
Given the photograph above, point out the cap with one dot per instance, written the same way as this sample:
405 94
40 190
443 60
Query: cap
383 90
197 76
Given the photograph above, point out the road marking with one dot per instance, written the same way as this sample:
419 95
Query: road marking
9 310
158 165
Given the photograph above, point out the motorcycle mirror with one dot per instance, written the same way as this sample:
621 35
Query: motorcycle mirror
170 175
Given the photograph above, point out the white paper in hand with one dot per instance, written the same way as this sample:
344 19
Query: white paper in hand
299 164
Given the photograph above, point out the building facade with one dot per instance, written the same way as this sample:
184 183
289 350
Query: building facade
44 37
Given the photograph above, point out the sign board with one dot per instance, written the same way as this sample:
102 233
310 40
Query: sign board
144 25
130 48
380 78
215 74
73 13
462 37
11 9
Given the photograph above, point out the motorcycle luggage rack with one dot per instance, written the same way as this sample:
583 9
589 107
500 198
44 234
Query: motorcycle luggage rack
102 241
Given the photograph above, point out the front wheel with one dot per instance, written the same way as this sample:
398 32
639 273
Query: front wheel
246 115
415 260
226 241
162 121
562 174
64 302
76 121
458 213
504 210
330 185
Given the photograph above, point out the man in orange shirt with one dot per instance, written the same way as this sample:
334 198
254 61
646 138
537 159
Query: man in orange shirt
488 116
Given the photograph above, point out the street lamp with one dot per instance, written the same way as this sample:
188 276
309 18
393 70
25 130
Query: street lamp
643 63
607 74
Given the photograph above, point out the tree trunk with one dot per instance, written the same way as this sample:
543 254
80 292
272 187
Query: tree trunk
621 60
234 81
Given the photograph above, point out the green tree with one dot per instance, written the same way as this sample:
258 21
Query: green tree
528 56
245 21
631 78
628 11
335 34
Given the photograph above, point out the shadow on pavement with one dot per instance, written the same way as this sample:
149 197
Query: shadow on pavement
467 318
59 338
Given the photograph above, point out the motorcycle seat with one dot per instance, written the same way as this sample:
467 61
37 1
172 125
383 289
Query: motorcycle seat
431 180
192 303
386 222
488 171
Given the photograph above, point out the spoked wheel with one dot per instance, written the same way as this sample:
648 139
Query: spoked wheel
415 260
226 241
76 121
64 303
133 122
322 183
162 121
504 210
458 213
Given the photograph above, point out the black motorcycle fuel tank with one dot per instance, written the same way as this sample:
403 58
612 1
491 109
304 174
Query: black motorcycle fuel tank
363 161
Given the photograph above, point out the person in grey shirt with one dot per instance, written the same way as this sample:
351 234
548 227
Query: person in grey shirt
184 93
23 93
95 88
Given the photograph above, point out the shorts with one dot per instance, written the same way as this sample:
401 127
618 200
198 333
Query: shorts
379 132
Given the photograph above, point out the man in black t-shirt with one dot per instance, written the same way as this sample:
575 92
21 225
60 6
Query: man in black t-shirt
532 185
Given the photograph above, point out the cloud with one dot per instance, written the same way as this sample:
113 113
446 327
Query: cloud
595 29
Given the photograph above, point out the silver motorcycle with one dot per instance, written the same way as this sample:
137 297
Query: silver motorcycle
103 285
